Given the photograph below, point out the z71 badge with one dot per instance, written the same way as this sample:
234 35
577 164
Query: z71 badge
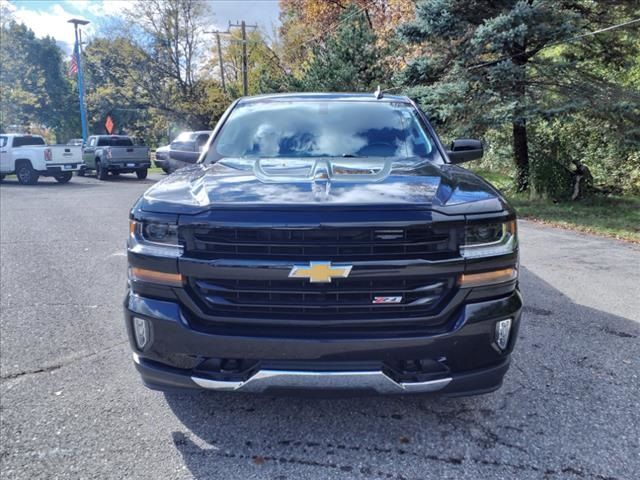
387 300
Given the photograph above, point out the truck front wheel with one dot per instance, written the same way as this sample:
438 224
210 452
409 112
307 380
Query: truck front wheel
142 174
101 172
63 177
26 174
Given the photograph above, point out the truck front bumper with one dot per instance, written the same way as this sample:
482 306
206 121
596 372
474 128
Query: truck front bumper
463 360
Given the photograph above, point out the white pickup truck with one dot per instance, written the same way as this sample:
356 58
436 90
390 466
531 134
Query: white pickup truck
29 157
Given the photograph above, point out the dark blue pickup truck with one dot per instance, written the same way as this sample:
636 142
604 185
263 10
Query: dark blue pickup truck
324 243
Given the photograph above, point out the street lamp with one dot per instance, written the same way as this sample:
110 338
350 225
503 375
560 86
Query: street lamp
76 53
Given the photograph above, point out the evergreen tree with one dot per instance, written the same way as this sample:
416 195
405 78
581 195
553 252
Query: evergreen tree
35 90
349 60
485 64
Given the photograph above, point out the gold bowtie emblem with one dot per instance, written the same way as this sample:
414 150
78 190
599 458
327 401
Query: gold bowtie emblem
320 272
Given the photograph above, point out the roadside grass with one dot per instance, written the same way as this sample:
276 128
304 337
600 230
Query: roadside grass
612 216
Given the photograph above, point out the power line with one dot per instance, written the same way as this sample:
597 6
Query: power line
557 42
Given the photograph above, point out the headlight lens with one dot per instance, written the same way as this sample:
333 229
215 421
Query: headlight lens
488 240
160 233
154 238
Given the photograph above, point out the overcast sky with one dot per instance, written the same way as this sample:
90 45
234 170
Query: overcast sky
49 17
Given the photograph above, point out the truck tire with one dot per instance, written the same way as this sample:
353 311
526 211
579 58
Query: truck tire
101 173
25 173
63 177
142 173
81 172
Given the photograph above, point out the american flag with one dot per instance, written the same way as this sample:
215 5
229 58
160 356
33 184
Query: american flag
73 65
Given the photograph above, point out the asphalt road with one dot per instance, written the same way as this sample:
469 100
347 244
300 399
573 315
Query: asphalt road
72 405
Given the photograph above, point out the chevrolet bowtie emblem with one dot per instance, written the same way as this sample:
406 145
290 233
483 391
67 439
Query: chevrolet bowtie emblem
320 272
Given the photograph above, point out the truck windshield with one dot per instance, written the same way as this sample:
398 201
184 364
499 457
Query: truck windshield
115 142
323 129
28 140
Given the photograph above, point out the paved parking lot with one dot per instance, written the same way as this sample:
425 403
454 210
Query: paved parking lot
72 406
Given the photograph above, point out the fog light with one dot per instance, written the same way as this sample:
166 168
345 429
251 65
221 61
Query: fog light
503 329
141 330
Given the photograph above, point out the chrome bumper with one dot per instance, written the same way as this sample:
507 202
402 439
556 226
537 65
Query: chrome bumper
283 379
264 380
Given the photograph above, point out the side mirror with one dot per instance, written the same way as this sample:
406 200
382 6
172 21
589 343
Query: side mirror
465 150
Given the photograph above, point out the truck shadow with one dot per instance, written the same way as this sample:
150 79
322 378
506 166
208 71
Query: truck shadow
573 383
47 183
131 178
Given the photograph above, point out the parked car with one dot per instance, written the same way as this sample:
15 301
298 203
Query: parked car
186 148
115 154
162 159
29 157
324 242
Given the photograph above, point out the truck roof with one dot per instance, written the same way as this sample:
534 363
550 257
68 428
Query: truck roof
19 135
111 136
364 97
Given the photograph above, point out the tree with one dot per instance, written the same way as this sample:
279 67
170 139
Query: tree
266 73
309 23
349 60
484 64
150 76
35 90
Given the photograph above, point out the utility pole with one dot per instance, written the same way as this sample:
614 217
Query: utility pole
83 106
245 63
217 33
245 80
76 52
224 86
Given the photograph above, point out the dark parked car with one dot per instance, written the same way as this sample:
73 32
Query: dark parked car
186 148
162 160
324 242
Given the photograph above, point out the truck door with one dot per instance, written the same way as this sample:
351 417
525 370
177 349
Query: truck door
5 155
88 154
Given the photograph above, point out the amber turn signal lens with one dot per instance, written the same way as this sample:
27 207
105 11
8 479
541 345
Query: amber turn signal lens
151 276
488 278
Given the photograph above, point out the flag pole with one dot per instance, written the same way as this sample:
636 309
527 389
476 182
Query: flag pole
76 52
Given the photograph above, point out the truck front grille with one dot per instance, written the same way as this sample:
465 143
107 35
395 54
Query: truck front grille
335 244
342 299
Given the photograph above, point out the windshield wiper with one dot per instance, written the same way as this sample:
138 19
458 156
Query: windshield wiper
350 155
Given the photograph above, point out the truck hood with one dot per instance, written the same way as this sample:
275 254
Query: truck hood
275 183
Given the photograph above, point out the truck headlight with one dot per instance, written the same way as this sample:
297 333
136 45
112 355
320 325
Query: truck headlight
489 240
154 238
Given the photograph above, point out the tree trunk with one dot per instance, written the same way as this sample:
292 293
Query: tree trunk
521 154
